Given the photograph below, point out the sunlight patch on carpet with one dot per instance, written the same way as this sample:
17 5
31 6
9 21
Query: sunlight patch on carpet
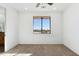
16 54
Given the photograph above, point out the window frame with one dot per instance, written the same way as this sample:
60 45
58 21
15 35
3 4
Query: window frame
42 17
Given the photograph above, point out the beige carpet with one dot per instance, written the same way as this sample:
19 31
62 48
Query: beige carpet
39 50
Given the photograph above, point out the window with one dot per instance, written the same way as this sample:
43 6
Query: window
42 24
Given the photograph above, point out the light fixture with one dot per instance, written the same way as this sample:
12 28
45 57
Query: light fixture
54 8
42 5
26 8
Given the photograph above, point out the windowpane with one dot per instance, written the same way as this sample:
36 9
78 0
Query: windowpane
41 24
46 25
37 25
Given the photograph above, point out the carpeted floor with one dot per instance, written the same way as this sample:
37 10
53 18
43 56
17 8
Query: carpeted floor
39 50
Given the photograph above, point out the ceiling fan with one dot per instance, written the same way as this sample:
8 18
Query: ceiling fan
43 6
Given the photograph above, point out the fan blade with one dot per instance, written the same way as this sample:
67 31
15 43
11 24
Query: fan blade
50 4
37 4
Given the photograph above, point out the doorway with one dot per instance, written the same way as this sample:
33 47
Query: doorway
2 28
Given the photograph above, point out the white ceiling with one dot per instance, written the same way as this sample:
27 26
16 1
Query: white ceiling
32 7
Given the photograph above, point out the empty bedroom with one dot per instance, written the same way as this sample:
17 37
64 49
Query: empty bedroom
39 29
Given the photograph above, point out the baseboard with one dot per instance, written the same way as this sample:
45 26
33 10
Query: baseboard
71 50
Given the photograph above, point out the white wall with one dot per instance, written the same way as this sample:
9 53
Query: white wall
26 35
11 30
71 28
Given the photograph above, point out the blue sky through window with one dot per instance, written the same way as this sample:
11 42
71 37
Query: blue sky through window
46 24
37 24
